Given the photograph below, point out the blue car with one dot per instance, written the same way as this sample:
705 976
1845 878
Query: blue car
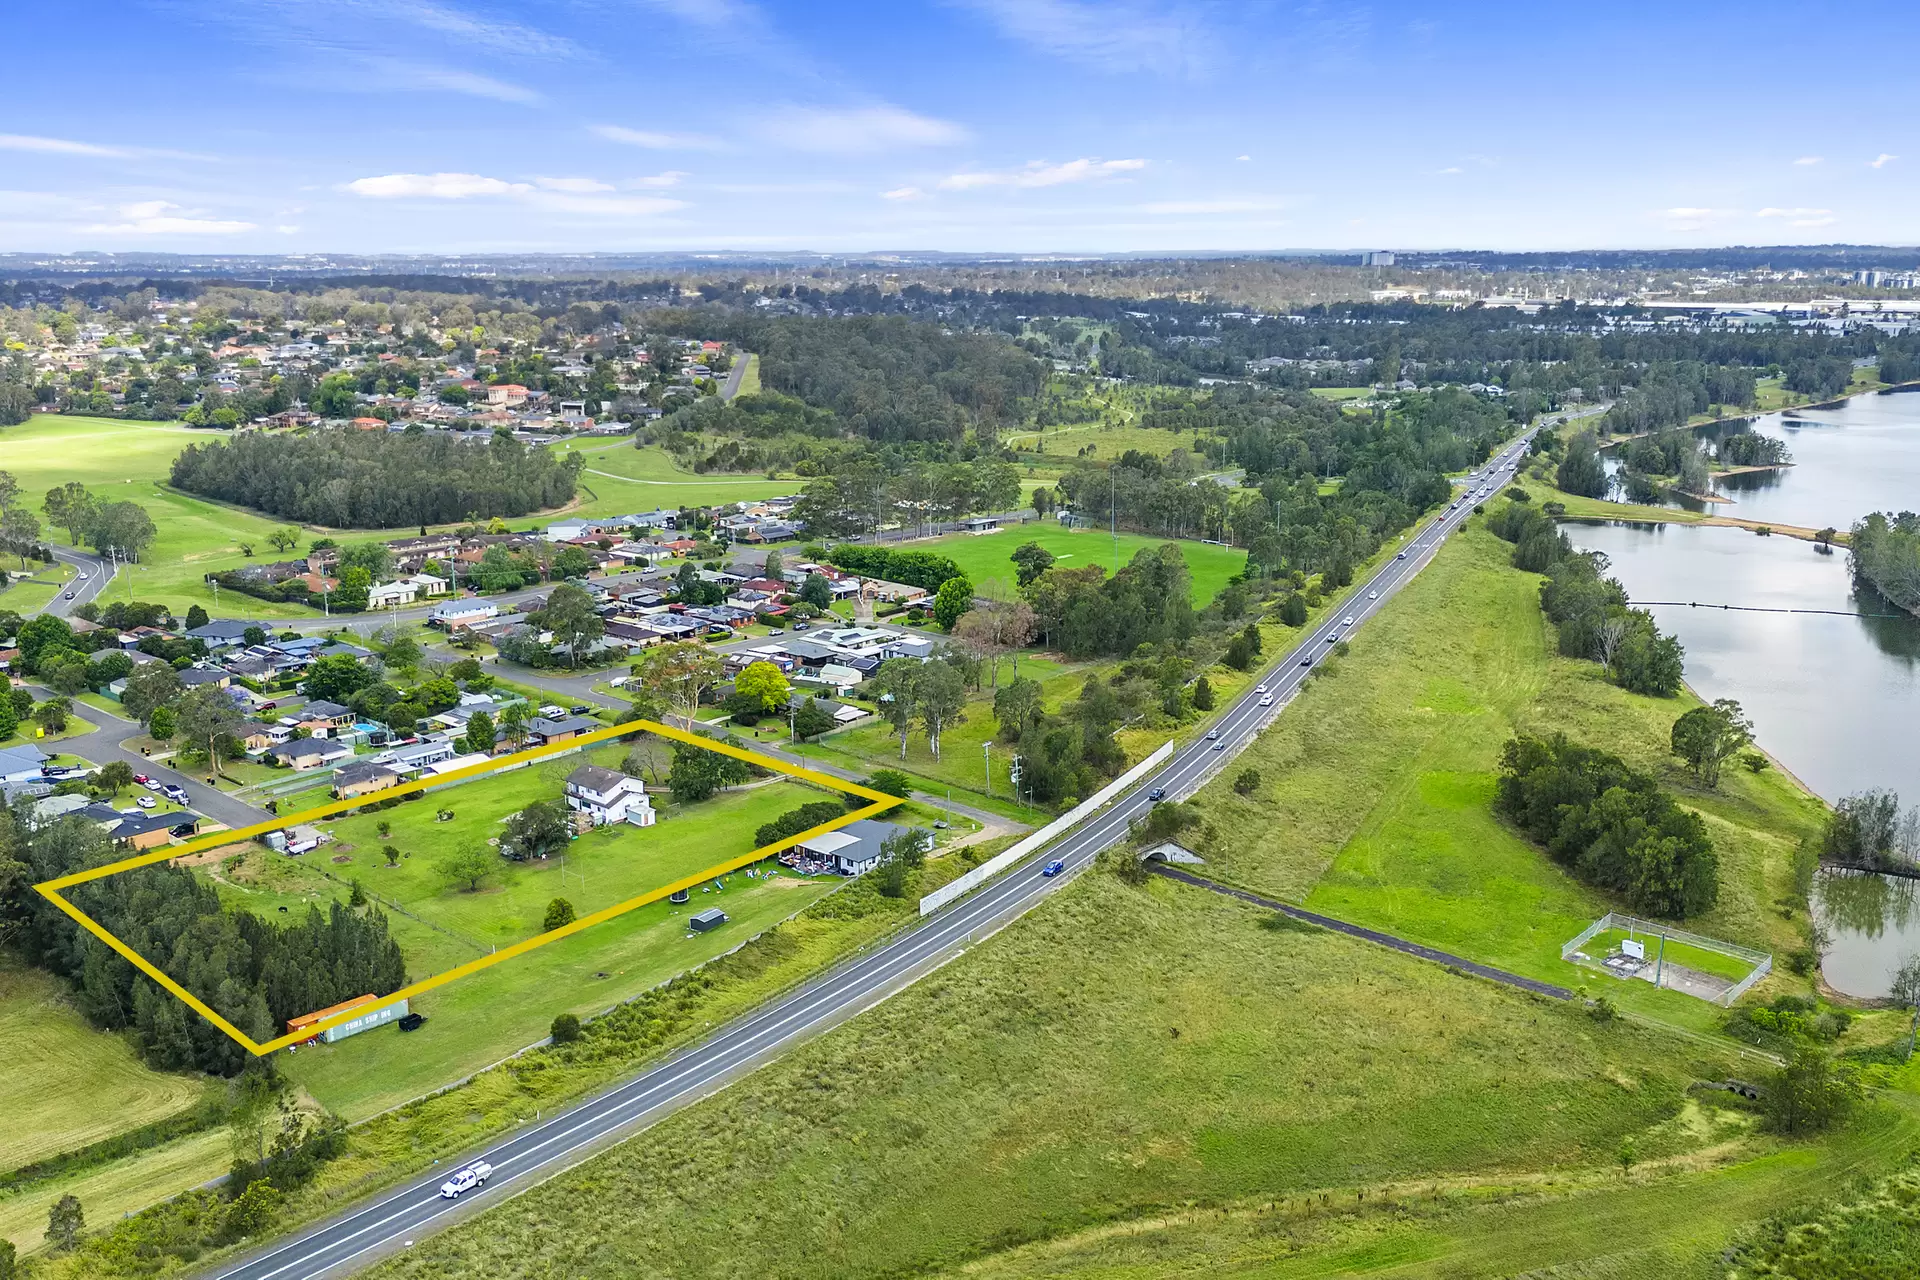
1053 868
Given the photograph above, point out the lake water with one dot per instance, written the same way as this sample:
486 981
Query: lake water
1833 696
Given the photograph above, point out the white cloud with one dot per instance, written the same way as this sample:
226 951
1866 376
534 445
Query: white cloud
1111 37
161 218
1881 161
287 230
577 186
1800 217
1452 168
55 146
653 141
849 130
555 195
1687 218
434 186
411 75
1243 157
1806 160
668 178
1041 174
904 193
489 33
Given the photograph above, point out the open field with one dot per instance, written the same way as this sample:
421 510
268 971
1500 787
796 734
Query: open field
1341 393
124 1186
983 557
1119 1056
1104 442
66 1085
620 479
1376 787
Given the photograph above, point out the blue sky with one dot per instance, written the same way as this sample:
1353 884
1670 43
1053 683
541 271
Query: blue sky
968 125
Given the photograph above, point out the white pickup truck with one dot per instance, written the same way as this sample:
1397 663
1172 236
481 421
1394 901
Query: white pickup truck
474 1175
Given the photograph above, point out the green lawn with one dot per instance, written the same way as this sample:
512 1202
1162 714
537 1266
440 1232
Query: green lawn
1376 787
124 1186
65 1084
1715 964
1341 393
1127 1056
984 557
621 479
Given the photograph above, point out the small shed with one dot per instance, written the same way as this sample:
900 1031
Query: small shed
711 918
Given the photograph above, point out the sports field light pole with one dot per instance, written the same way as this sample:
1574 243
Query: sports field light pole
986 749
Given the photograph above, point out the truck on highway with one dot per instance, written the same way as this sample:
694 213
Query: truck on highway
474 1175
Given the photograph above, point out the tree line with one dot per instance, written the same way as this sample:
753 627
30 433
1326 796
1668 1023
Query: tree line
346 478
1885 552
253 973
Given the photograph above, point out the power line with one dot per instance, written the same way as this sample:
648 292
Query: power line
1754 608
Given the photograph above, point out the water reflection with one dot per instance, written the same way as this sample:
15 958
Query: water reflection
1873 922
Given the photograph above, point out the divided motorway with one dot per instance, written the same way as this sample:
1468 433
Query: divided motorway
399 1220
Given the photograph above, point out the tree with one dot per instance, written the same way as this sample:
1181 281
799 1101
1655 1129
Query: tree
573 619
1809 1094
72 508
1293 610
196 617
817 591
357 896
114 776
9 719
565 1028
162 723
466 866
1581 471
953 599
206 714
1202 695
765 683
679 674
253 1209
941 695
513 722
123 529
896 686
1707 737
697 773
1030 560
1016 706
901 853
1246 782
774 567
19 530
892 782
391 852
810 720
284 539
9 1267
65 1222
479 737
336 678
52 714
559 914
537 831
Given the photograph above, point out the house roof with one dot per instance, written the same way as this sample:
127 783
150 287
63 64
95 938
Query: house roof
221 629
596 778
325 708
362 771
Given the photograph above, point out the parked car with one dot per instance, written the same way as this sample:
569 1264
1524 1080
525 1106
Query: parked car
775 631
143 779
474 1175
582 709
1053 868
177 794
147 802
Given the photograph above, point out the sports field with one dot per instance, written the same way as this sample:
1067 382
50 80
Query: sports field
985 557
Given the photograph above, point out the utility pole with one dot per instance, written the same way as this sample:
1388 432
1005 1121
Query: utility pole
986 749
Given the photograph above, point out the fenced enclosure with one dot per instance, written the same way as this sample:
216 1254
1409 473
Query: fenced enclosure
1630 948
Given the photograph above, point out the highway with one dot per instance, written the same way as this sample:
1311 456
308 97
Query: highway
360 1235
99 573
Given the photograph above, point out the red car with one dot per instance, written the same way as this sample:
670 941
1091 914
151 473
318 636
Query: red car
142 779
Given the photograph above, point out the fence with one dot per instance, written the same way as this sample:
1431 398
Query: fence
1759 963
1052 831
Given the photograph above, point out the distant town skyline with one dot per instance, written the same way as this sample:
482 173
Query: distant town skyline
967 126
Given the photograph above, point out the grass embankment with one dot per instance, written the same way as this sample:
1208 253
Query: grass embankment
67 1085
621 480
1375 800
1124 1054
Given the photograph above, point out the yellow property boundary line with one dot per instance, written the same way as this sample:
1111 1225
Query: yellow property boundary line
52 889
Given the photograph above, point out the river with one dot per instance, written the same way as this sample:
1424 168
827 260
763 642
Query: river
1833 695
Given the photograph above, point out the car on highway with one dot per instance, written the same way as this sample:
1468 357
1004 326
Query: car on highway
67 596
1307 661
1259 688
1053 868
474 1175
1267 701
1212 734
81 577
1157 794
1401 556
1347 621
1373 595
1220 745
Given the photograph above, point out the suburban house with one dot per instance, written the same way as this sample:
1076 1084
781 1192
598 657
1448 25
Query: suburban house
257 737
462 613
309 753
363 777
608 796
854 848
194 677
843 713
541 730
322 718
21 763
405 591
137 829
417 756
221 633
